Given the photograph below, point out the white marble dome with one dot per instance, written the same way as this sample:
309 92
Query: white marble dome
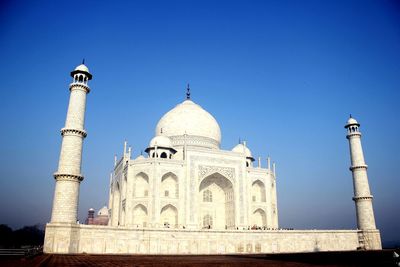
191 119
103 211
140 157
240 148
161 141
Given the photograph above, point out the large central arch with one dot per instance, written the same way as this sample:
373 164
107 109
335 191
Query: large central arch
217 205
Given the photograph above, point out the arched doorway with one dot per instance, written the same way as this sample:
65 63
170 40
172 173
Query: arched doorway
259 218
141 188
169 185
217 206
140 215
115 220
169 216
258 191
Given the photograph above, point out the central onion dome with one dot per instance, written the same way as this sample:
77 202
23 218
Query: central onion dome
189 123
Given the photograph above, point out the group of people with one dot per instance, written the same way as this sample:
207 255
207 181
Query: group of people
254 227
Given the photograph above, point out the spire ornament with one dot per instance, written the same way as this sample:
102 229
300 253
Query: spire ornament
188 92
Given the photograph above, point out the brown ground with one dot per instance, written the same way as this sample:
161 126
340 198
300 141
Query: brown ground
327 259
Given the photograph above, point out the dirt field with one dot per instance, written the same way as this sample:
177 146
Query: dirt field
327 259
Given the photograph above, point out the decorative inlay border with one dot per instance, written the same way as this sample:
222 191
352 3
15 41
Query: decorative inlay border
205 170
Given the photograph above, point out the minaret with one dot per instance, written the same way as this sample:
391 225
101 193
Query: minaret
68 175
362 195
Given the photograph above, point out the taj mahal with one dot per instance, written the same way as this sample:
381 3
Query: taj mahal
189 196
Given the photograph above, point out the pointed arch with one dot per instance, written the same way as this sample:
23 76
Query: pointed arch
141 185
140 215
169 216
116 203
207 221
258 191
170 185
259 218
220 213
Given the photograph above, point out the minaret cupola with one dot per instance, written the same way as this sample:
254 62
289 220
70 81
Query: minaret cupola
81 74
352 125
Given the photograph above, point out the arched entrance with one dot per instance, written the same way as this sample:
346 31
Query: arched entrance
217 205
140 215
169 216
259 218
141 187
115 220
169 185
258 191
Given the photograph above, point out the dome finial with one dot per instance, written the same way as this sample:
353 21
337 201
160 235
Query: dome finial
83 61
188 92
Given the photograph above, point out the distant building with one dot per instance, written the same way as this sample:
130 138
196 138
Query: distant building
188 195
100 219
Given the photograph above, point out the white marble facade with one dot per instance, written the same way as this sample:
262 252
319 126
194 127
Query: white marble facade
187 181
189 196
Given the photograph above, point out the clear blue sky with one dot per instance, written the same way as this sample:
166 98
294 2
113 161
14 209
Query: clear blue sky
284 75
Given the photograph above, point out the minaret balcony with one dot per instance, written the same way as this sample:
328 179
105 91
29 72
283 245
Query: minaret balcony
68 177
77 132
79 85
353 134
370 197
358 167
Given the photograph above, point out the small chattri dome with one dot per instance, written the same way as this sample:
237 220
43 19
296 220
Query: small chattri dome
140 157
161 141
240 148
103 211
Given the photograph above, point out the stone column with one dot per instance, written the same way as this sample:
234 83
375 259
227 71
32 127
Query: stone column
68 175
